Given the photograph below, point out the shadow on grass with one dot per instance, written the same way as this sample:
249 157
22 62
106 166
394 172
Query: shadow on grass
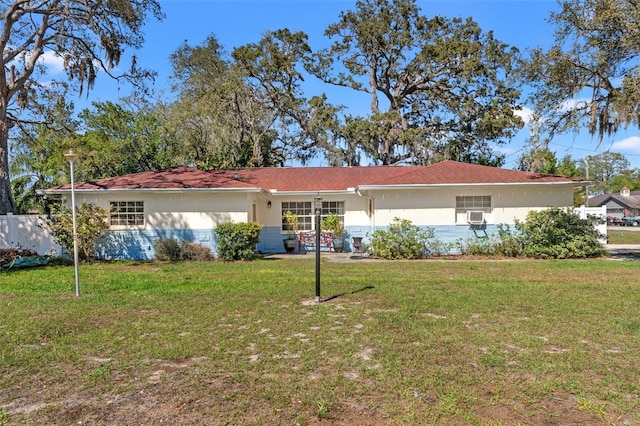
336 296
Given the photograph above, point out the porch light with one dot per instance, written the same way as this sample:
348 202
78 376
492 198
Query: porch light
72 157
317 207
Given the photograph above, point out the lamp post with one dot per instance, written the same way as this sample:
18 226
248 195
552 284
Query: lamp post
586 186
71 156
317 205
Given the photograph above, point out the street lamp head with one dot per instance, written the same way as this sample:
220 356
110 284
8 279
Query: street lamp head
70 155
317 203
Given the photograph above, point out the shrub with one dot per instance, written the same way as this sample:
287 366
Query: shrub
194 251
167 249
237 241
475 246
559 234
433 246
91 224
292 224
403 240
509 242
332 223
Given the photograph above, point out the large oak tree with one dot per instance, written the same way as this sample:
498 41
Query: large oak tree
89 36
275 68
590 76
439 88
218 119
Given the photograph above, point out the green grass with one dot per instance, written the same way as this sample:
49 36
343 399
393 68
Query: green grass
425 342
624 236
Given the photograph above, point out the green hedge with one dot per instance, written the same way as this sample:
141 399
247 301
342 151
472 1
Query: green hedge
237 241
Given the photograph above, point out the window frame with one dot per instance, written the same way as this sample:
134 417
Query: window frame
126 214
304 211
306 215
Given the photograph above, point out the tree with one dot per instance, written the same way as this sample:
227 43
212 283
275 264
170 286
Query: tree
602 168
221 120
439 87
568 167
538 160
538 157
88 36
38 160
628 178
590 77
116 141
275 69
120 140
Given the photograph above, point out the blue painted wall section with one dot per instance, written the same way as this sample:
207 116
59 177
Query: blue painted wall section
138 244
271 238
444 233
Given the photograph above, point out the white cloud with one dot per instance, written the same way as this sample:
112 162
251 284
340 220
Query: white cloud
573 104
53 62
628 144
526 114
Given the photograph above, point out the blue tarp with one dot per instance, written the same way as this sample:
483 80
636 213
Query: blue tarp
27 262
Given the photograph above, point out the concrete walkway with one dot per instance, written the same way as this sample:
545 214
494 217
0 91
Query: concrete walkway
623 251
615 252
332 256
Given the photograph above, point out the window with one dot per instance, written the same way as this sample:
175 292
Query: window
336 207
126 213
472 203
304 211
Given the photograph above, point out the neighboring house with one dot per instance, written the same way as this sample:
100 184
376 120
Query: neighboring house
626 203
458 200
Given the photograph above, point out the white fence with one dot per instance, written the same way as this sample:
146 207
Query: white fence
600 212
27 232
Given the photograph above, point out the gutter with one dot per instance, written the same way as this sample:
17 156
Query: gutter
370 207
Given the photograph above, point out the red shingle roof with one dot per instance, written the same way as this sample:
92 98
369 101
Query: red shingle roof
303 179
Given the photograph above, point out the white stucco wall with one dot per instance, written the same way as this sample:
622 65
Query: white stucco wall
191 210
437 206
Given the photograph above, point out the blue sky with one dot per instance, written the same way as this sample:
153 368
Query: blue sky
521 23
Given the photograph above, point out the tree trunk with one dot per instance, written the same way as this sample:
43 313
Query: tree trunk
6 197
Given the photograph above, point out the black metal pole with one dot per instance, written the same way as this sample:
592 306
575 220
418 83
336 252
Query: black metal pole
317 256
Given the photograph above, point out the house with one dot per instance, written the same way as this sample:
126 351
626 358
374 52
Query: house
626 203
457 200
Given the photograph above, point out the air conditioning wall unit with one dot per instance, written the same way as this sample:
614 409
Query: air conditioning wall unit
475 217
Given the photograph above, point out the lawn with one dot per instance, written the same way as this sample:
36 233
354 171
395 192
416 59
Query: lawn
618 236
423 342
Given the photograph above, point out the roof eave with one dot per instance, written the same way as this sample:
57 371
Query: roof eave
321 192
137 190
444 185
